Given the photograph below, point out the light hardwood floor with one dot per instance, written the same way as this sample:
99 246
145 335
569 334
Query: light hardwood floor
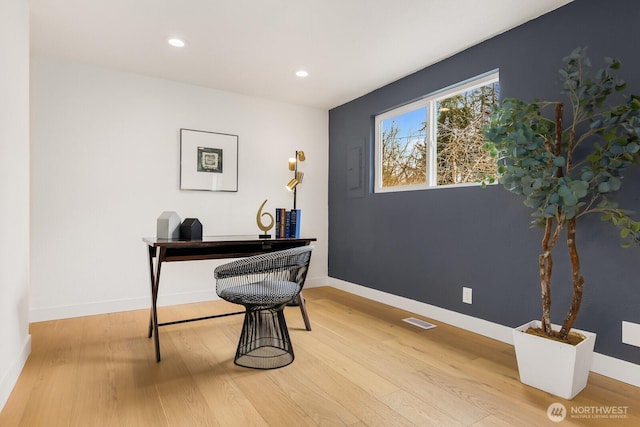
360 366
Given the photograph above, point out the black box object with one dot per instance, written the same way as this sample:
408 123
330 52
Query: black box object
191 229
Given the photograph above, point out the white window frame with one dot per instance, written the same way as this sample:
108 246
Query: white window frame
430 101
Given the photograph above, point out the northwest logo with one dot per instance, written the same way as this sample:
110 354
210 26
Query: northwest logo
556 412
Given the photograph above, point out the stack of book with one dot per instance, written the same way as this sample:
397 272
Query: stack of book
287 223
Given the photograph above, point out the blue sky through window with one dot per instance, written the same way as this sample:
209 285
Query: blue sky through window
409 124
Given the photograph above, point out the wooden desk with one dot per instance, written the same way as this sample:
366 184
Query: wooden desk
210 247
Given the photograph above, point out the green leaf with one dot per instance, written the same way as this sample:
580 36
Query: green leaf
564 191
586 175
606 217
550 210
570 200
537 183
570 211
632 148
604 187
616 149
615 183
579 188
559 161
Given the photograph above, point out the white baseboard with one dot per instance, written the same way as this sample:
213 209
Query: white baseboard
617 369
10 378
114 306
611 367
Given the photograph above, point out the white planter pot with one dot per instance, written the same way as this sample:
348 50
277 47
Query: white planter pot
557 368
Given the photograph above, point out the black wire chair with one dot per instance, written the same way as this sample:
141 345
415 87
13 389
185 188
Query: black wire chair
264 284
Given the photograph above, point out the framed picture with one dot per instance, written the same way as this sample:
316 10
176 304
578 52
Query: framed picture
208 161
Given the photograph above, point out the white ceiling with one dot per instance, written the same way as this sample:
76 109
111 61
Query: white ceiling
254 47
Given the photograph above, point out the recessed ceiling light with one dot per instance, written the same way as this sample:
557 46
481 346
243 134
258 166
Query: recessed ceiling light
176 42
302 73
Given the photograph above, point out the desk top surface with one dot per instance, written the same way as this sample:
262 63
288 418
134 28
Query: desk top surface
220 241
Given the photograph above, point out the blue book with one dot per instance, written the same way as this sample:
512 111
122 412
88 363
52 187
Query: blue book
287 224
294 229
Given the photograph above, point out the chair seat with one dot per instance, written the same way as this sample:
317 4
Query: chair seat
265 292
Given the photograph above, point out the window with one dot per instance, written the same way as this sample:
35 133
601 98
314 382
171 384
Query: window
437 141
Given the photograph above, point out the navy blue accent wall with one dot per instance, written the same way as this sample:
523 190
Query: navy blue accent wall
426 245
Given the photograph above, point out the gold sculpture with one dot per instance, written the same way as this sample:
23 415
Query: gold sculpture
264 227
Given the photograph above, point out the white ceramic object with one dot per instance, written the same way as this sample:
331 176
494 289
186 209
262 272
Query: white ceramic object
168 226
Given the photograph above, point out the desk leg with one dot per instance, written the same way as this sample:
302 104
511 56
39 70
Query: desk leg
155 284
303 310
152 254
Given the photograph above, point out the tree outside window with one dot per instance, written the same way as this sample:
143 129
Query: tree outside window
460 137
438 140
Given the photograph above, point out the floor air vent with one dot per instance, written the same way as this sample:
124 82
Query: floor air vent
419 323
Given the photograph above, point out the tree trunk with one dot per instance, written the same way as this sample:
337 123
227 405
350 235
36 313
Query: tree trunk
576 279
545 262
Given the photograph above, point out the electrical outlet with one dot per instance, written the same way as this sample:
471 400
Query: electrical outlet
631 333
467 295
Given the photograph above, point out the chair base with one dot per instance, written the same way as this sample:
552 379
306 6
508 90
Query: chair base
264 341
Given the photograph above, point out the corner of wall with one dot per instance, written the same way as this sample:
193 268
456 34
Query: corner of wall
11 376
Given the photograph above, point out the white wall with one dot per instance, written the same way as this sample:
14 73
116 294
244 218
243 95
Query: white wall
15 342
105 164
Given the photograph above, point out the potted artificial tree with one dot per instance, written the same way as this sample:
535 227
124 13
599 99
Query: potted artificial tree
567 160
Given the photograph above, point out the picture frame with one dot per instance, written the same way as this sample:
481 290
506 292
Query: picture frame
208 161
